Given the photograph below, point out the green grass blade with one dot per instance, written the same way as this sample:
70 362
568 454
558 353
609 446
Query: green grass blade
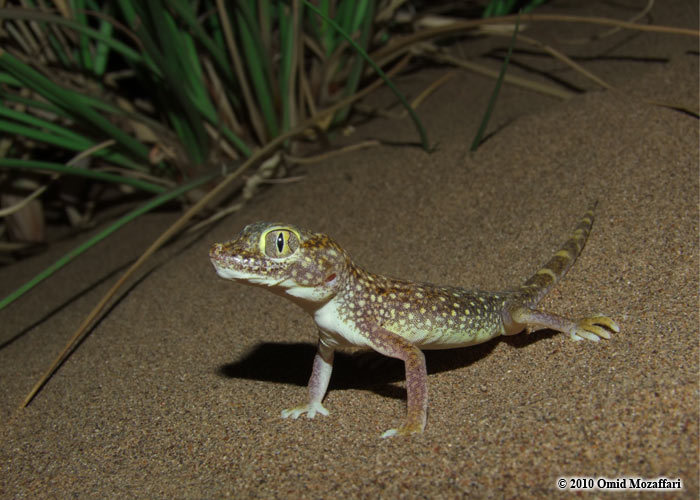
72 143
129 54
288 16
265 20
498 8
149 20
378 70
114 157
102 49
19 164
326 34
197 89
183 73
43 126
496 89
9 80
58 49
185 11
353 80
32 103
85 57
198 92
146 207
70 102
256 58
362 10
49 106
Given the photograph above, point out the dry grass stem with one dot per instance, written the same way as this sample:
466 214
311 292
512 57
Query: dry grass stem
308 160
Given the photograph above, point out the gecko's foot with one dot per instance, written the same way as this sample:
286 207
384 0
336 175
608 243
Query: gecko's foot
311 409
594 328
404 430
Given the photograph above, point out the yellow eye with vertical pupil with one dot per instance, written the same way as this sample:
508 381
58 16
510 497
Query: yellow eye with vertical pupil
280 243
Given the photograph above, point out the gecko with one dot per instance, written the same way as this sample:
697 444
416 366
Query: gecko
395 317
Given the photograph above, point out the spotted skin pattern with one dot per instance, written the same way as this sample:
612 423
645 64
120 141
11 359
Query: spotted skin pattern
397 318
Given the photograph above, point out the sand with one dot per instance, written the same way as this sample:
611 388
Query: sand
177 391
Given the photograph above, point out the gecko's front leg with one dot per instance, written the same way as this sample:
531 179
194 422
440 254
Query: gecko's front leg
318 384
395 346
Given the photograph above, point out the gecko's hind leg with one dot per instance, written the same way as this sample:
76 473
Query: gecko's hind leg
592 328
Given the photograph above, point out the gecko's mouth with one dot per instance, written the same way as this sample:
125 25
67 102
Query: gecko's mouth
245 276
229 267
229 272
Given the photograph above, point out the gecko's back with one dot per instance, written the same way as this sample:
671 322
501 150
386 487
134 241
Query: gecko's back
427 315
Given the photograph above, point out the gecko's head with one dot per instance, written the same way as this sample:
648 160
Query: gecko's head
284 258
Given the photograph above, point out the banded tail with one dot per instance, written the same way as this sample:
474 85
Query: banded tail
532 291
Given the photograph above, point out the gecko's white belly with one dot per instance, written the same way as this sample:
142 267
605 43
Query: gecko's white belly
337 332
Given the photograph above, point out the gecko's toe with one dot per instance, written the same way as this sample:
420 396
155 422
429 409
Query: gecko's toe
594 328
389 433
581 335
608 323
404 430
310 409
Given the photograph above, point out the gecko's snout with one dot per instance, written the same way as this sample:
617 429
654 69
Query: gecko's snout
216 251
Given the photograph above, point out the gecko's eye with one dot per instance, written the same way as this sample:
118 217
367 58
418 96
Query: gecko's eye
280 243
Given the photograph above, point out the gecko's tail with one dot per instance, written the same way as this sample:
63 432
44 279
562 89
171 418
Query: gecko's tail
532 291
